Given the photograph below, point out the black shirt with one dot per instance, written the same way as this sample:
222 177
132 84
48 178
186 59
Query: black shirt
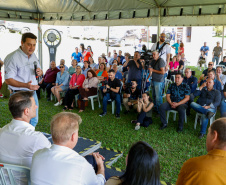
134 95
115 83
181 62
222 63
224 88
205 72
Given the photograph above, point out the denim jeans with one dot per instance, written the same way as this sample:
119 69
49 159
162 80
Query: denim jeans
157 93
215 58
181 111
203 111
223 108
143 120
117 100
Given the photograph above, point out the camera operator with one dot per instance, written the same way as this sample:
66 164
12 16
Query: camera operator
112 91
157 70
131 95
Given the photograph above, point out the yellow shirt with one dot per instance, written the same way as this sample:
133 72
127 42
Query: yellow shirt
208 169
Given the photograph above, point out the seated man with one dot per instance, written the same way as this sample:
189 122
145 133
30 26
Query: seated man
211 75
208 169
177 96
205 72
181 64
59 164
209 100
131 95
220 77
223 103
118 74
18 139
112 91
190 80
62 62
49 79
223 62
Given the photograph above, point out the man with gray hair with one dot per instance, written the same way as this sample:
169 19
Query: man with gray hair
208 169
61 164
62 62
157 70
220 77
18 139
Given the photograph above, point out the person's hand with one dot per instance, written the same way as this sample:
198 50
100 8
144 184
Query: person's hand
32 87
99 159
205 77
104 90
151 69
206 107
107 86
40 82
39 72
70 87
174 105
86 89
204 84
199 81
148 80
129 103
53 84
128 95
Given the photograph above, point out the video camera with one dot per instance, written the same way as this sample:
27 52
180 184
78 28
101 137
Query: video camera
147 57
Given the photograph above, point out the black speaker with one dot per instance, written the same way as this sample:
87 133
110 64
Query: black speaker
154 38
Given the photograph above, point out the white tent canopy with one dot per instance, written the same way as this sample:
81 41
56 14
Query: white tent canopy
116 12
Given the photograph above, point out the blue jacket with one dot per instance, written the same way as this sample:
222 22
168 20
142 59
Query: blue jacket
192 82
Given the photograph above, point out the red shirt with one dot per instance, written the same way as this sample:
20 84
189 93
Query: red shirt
78 79
50 76
88 54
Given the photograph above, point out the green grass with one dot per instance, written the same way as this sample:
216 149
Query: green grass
173 148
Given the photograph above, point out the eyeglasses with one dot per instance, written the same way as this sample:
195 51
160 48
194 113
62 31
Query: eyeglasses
163 36
210 64
61 67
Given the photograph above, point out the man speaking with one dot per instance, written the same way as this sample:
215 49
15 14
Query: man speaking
20 65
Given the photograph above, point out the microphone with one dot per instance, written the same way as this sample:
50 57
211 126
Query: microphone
35 66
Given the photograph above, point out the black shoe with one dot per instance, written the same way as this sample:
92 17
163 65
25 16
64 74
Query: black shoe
162 127
127 112
201 136
117 115
180 130
102 114
209 114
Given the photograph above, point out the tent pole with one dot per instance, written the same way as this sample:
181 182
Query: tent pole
108 41
222 44
40 42
159 24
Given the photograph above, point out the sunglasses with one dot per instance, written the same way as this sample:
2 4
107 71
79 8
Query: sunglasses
210 64
61 67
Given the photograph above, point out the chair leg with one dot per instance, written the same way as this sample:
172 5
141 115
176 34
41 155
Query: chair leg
167 117
185 117
174 116
196 119
98 99
113 107
92 103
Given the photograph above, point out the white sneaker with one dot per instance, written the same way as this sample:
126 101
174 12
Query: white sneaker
61 101
137 127
57 104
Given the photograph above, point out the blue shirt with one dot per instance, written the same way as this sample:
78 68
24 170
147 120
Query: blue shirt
77 56
205 48
177 93
84 71
208 98
118 75
176 45
134 71
65 68
192 82
64 79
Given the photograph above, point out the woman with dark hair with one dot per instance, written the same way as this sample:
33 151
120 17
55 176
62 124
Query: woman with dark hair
85 68
75 84
82 51
144 107
142 167
88 53
89 88
92 64
102 72
72 68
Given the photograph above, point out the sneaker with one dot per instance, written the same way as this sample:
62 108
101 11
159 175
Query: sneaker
137 127
61 101
117 115
134 121
57 104
102 114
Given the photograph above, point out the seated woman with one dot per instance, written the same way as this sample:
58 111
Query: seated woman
102 72
85 68
93 65
89 88
62 82
174 65
144 109
72 68
146 173
75 84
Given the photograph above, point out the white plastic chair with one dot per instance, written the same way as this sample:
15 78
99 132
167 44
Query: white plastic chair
200 115
113 102
92 99
14 175
174 116
76 99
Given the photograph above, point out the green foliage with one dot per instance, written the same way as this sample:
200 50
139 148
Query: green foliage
218 30
173 148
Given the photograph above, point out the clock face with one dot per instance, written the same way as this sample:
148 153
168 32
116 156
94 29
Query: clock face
52 37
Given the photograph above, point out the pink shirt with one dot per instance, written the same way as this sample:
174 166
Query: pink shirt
175 64
78 79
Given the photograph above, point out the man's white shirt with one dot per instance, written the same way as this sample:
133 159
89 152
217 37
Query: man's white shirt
163 54
21 68
19 141
59 165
